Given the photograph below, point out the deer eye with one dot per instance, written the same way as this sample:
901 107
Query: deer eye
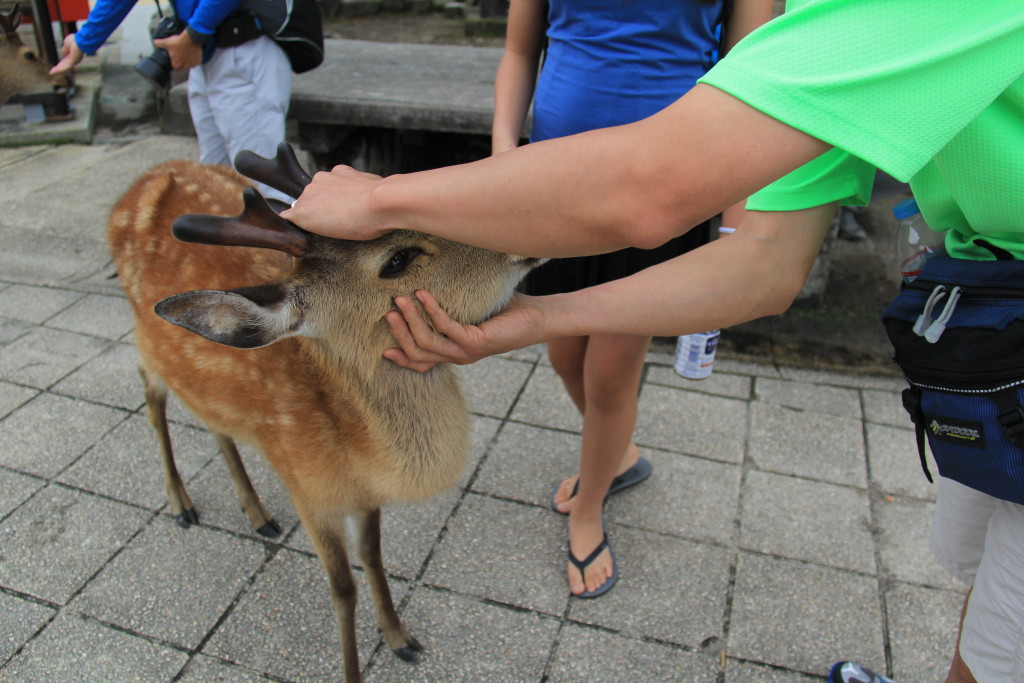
30 56
399 263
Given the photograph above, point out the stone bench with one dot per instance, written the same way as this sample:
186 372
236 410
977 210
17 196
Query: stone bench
386 107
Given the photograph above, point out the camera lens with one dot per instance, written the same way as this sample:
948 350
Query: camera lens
156 68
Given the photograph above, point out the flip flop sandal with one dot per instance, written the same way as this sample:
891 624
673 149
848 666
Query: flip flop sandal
631 477
586 562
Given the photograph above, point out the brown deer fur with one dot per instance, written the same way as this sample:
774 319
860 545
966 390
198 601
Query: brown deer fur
344 429
21 68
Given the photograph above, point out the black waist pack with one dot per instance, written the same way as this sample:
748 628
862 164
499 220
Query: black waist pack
958 334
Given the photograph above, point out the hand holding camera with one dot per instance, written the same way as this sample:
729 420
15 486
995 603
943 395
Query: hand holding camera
174 50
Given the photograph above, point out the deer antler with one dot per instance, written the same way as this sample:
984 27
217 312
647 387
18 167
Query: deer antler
10 22
256 226
283 172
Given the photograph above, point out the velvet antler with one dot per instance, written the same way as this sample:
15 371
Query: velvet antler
256 226
283 172
9 22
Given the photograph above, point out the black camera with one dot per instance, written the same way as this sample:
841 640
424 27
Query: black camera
156 68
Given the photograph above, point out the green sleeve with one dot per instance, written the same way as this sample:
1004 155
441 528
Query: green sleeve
834 176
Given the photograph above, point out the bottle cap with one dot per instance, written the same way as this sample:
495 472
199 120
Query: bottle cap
905 209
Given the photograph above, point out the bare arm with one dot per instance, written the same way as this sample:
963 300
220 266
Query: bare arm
517 73
757 271
635 185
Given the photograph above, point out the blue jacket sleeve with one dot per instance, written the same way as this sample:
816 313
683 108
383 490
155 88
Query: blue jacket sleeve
104 18
205 15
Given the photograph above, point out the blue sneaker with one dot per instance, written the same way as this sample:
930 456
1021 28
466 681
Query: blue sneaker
851 672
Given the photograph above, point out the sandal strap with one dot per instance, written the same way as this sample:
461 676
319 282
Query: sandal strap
584 563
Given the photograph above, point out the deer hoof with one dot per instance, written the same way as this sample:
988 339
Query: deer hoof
271 529
187 518
409 653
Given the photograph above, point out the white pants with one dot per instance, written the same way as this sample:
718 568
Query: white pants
980 540
239 100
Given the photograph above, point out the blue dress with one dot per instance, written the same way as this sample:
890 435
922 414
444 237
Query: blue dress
608 63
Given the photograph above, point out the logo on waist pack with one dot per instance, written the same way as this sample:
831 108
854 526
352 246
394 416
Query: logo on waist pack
952 430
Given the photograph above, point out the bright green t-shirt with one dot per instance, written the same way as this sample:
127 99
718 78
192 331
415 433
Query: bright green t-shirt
930 91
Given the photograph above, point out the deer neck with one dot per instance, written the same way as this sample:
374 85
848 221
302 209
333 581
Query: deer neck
418 419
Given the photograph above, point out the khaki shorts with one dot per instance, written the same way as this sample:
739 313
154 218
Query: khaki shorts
980 540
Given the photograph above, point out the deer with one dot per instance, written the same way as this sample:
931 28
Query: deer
21 68
276 341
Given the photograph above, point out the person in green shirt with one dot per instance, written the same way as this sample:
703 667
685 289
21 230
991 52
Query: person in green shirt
930 92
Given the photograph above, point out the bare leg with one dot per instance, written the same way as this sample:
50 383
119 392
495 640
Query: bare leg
247 496
611 376
567 357
399 639
958 671
156 409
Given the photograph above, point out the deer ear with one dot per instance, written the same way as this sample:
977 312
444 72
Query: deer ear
244 318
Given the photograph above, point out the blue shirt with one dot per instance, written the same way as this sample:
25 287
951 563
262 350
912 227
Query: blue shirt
612 62
106 15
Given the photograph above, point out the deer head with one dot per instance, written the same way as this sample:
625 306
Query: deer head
339 289
22 70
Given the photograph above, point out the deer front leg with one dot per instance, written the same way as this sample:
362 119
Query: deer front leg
329 539
247 496
399 639
156 409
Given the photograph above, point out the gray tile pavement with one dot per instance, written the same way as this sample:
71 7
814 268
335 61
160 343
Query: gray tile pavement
786 524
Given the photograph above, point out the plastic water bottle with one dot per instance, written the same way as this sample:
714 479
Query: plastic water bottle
915 241
695 354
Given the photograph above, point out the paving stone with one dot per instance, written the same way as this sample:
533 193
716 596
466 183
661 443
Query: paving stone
284 624
13 330
587 654
19 621
110 317
689 497
170 583
669 589
527 462
837 401
885 407
203 669
125 464
545 403
53 258
742 367
904 531
893 382
719 383
483 433
49 432
54 542
35 304
806 444
895 464
923 626
692 423
802 616
74 648
15 489
485 537
466 639
742 672
12 396
111 378
43 356
492 385
807 520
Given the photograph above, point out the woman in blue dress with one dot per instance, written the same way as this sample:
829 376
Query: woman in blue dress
605 63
